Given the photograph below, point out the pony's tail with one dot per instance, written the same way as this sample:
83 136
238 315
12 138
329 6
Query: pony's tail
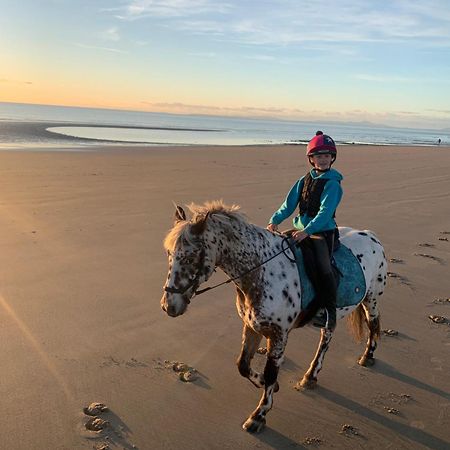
355 323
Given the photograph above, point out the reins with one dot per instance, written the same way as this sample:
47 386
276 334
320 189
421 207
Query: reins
283 250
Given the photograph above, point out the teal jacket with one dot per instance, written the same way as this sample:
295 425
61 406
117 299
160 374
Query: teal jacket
329 201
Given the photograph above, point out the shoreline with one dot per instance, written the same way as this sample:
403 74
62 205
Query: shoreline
37 131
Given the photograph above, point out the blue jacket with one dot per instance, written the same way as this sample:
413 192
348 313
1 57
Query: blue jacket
329 201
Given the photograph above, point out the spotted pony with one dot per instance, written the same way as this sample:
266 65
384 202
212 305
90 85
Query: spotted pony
269 297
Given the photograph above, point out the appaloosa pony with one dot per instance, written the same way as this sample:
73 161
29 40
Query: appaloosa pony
268 288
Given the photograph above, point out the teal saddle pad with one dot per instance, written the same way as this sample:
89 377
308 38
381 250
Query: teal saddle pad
352 284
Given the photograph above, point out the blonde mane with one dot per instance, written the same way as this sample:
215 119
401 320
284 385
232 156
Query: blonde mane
183 229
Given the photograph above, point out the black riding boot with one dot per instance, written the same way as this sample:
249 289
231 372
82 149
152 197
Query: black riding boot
328 294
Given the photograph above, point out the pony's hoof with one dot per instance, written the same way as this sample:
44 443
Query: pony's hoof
253 425
366 362
306 383
276 387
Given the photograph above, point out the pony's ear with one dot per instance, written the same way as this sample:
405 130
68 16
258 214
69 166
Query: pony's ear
180 215
199 227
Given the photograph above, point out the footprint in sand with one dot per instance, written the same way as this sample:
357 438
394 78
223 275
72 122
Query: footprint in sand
95 408
439 319
441 301
443 239
396 260
426 255
109 428
390 332
96 424
400 278
312 441
349 430
426 244
185 372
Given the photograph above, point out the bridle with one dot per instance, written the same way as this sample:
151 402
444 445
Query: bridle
196 280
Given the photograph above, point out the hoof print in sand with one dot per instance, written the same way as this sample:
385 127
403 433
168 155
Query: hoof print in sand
101 446
189 375
94 409
392 410
426 255
312 441
439 319
425 244
262 350
441 301
443 239
444 232
400 278
349 430
390 332
185 373
96 424
396 260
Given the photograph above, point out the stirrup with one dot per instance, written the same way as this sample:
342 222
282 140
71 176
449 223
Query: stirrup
323 321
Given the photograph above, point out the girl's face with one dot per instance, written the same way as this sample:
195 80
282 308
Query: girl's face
321 162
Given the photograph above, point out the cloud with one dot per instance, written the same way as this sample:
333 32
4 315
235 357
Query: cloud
440 111
6 80
141 9
95 47
111 34
384 78
246 111
203 54
291 22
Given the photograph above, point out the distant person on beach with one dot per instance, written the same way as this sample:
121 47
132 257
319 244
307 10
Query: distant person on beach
439 141
317 195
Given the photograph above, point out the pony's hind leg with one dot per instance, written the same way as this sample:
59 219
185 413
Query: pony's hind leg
309 380
372 318
250 342
275 352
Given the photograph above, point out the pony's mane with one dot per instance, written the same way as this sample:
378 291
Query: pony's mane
185 230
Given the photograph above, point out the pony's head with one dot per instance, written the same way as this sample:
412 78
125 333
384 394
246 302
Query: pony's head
192 256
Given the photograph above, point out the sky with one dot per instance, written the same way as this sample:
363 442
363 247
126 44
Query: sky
386 62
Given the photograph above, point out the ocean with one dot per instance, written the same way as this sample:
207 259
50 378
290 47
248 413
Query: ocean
26 126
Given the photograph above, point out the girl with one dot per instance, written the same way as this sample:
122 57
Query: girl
317 194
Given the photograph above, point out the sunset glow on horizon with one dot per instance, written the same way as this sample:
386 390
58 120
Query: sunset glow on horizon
343 60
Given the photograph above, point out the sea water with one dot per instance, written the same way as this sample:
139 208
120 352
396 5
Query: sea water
26 126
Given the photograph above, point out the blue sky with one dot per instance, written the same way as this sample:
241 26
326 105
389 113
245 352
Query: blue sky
384 62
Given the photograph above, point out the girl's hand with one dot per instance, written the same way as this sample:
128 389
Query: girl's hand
298 236
272 227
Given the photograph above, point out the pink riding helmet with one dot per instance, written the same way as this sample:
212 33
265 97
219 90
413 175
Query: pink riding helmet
321 144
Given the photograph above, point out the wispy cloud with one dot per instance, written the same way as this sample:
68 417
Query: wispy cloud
246 111
111 34
384 78
203 54
440 111
95 47
291 22
141 9
7 80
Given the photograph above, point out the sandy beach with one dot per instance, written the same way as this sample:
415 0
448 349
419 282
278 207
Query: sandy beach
81 273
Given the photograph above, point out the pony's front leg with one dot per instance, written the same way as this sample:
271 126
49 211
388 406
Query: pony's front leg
250 342
309 380
275 352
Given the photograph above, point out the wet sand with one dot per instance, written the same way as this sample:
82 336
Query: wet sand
81 275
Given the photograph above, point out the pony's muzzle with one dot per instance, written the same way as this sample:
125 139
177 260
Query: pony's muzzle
171 308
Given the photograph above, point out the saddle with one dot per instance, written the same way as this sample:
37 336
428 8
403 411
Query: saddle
348 273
